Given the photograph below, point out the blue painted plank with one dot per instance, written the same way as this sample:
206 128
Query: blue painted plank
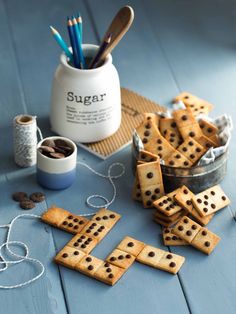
45 295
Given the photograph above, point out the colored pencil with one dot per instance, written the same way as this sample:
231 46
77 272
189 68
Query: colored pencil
96 60
80 24
61 43
78 43
73 43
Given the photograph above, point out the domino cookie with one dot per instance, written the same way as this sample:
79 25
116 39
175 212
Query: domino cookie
120 258
163 222
131 246
186 229
167 205
54 216
136 192
170 239
88 265
83 243
208 128
69 257
174 138
145 156
184 199
150 180
191 149
210 200
206 142
199 237
160 259
108 273
106 217
96 230
186 97
205 241
169 130
178 160
173 218
187 123
73 223
147 130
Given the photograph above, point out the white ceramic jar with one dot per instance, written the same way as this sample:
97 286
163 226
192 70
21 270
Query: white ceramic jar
86 104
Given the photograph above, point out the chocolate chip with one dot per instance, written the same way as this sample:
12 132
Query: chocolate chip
76 227
64 255
106 265
105 217
79 240
174 238
185 191
213 206
160 204
76 252
27 204
128 256
88 259
192 134
108 270
169 199
130 244
167 238
151 254
209 130
19 196
157 191
120 257
223 198
172 264
159 141
194 227
199 200
205 210
184 118
96 234
184 149
81 222
70 225
189 233
168 208
90 239
145 140
198 150
148 193
167 231
70 217
173 125
76 243
148 126
150 175
112 216
146 133
204 233
65 223
149 203
189 202
154 197
205 203
113 258
76 220
190 143
110 276
90 267
186 163
169 256
185 220
192 156
178 156
171 163
207 243
98 218
82 237
180 228
37 197
206 197
213 193
159 148
83 246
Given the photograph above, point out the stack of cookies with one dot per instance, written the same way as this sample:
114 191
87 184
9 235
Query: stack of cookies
180 141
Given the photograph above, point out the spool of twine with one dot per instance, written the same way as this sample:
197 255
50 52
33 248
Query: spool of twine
25 140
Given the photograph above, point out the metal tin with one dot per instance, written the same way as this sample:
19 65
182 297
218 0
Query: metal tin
197 178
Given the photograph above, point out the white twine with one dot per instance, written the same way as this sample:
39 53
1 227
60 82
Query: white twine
25 140
26 258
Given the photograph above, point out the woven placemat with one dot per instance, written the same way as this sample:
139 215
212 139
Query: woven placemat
133 105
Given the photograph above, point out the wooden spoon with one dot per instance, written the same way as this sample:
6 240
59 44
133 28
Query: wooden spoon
118 27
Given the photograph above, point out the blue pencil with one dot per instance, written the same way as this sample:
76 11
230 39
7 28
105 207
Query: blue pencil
73 43
78 42
61 43
80 23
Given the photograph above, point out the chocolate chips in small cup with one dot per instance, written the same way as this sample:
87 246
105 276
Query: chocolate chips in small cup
55 148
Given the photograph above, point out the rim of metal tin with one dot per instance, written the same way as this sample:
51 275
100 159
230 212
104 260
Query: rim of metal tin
194 171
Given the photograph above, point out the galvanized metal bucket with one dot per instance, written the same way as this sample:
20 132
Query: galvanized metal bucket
197 178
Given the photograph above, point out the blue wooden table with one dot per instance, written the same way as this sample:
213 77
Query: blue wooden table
172 46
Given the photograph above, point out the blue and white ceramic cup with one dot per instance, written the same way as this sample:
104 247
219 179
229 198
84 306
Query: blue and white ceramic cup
56 174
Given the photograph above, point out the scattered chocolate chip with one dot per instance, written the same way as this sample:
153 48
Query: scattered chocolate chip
96 234
149 203
76 227
184 149
159 141
65 223
178 156
27 204
198 150
146 133
171 163
192 156
19 196
83 246
206 197
205 203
